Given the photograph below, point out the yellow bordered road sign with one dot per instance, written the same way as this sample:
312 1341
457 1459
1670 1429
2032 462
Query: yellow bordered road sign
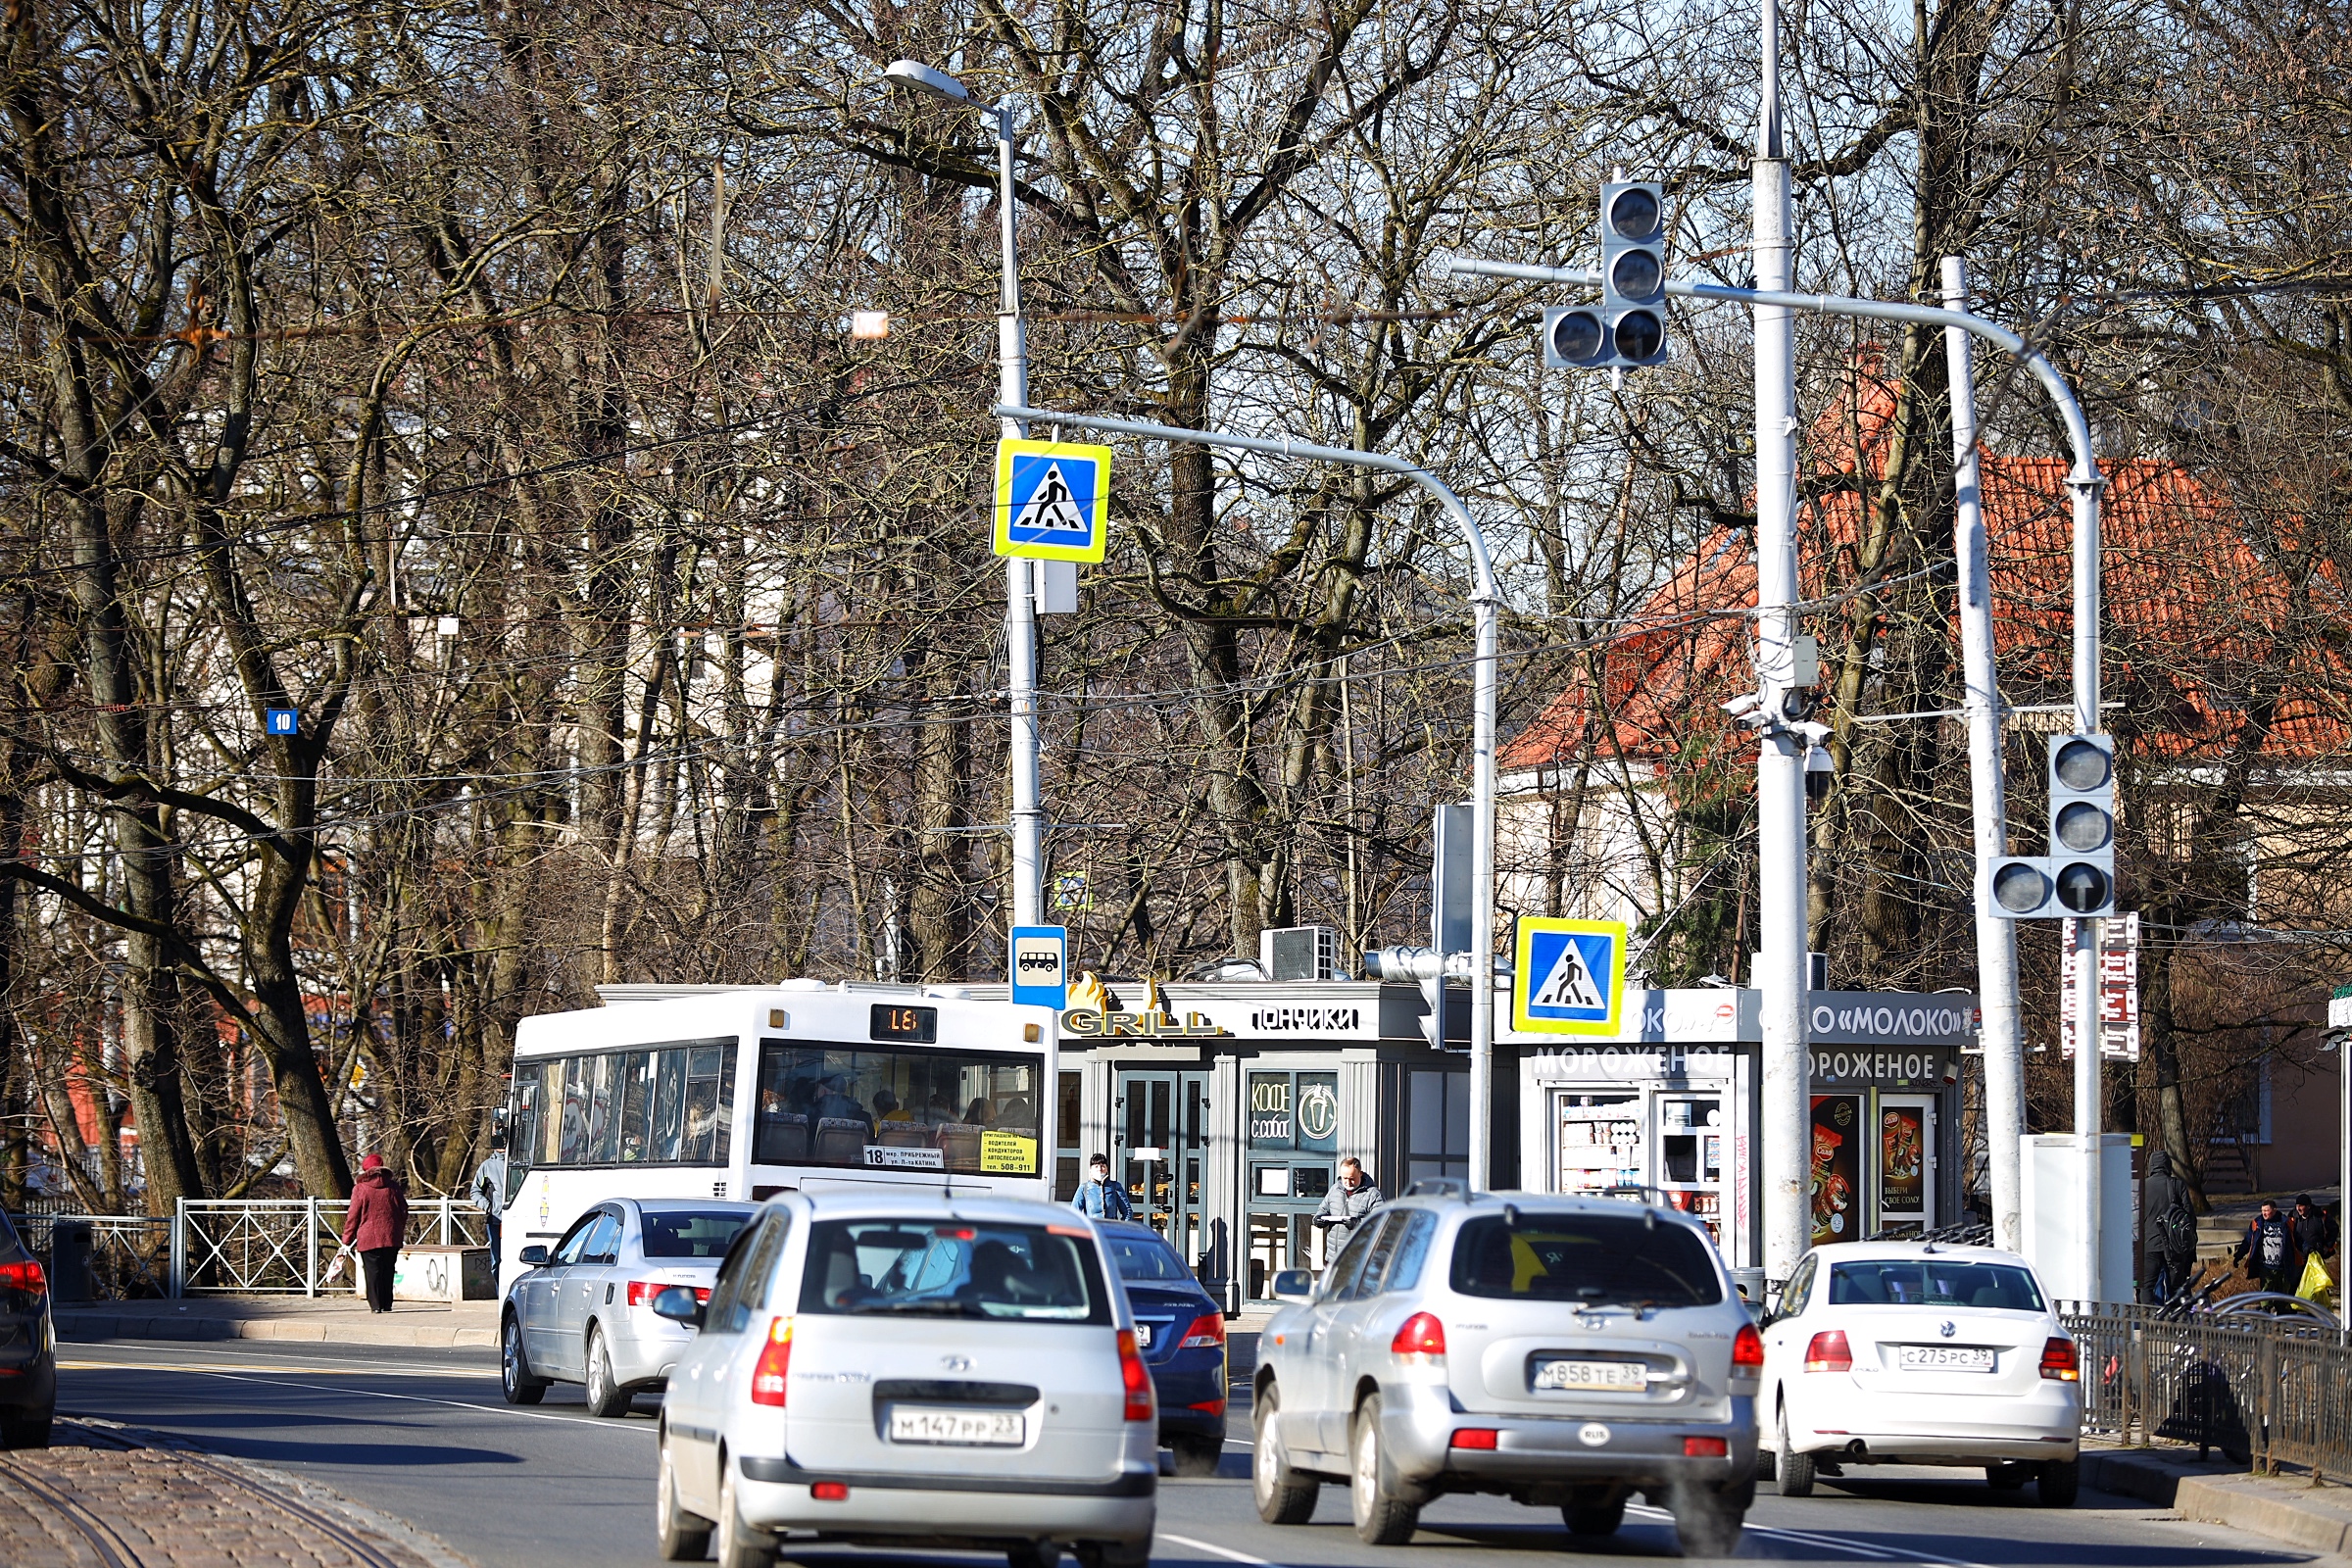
1569 978
1053 500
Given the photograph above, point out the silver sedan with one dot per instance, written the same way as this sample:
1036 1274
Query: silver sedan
582 1311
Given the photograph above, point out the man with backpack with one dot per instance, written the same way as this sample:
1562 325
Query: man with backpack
2269 1251
2168 1230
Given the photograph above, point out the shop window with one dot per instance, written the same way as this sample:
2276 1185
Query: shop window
1437 1124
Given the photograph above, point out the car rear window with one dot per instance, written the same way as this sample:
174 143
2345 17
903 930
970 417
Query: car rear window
954 1268
690 1233
1588 1260
1934 1282
1142 1258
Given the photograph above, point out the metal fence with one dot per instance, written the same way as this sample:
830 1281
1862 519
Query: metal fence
129 1255
264 1246
2261 1394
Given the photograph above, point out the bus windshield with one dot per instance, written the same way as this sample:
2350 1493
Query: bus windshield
907 1107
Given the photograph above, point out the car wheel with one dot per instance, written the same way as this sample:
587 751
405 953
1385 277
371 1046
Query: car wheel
1381 1519
2008 1476
683 1537
1196 1455
1111 1554
25 1429
1794 1469
1284 1496
1597 1512
515 1377
1033 1555
2060 1481
1706 1522
739 1544
605 1398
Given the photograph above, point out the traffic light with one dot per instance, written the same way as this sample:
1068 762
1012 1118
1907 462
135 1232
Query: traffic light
1632 273
2083 823
1629 327
2077 877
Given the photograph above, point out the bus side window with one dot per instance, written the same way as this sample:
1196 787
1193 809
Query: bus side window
670 1104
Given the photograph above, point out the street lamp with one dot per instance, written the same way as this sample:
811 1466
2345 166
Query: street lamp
1020 607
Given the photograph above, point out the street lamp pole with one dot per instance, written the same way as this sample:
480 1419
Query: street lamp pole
1020 603
1486 601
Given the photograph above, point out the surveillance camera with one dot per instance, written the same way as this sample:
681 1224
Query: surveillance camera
1814 734
1742 705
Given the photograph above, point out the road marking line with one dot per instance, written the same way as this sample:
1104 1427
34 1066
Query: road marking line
590 1422
233 1366
1211 1548
1808 1537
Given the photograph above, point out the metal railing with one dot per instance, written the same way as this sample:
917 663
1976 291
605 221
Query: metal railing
284 1247
130 1255
2264 1393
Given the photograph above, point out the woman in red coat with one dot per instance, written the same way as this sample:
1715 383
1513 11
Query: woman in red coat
375 1225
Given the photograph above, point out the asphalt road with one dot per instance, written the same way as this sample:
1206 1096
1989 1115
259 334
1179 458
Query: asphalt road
424 1435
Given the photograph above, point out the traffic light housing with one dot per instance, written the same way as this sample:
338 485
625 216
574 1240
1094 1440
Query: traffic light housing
1628 327
1632 273
2077 877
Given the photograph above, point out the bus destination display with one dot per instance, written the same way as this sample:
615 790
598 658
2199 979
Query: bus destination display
896 1021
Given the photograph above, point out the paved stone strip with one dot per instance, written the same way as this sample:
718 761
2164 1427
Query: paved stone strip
91 1504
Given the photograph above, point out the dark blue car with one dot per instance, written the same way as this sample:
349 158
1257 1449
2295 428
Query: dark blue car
1183 1336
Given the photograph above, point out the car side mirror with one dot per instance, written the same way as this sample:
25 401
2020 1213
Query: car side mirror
533 1257
678 1304
1296 1285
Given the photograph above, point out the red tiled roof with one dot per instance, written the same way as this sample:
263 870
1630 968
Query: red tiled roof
2195 618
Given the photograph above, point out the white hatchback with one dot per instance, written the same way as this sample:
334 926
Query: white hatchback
911 1370
1911 1352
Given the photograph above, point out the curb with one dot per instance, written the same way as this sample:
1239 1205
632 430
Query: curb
87 1326
2283 1509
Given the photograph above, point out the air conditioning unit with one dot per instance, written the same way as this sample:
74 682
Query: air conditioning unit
1299 953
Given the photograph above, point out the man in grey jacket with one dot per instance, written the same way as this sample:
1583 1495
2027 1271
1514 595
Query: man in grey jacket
1343 1206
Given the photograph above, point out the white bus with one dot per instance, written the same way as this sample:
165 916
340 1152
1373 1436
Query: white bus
712 1092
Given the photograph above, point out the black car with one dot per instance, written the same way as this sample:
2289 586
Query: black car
28 1346
1183 1335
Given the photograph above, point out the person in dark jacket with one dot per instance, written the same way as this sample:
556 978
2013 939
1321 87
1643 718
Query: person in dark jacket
2315 1227
375 1226
2269 1251
2168 1229
1345 1206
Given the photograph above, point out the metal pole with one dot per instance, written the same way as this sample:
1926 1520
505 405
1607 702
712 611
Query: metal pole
2088 1111
1485 601
1020 604
1996 938
1786 1093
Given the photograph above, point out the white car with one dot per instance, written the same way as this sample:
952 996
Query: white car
911 1370
1911 1352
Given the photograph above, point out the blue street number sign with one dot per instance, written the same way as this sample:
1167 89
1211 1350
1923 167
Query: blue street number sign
1040 961
1570 977
1052 501
284 721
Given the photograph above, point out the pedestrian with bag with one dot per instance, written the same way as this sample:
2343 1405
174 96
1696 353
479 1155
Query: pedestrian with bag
2168 1230
1345 1206
489 1192
2268 1253
375 1225
1099 1197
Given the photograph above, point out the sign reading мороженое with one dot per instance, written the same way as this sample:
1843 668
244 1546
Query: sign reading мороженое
1904 1068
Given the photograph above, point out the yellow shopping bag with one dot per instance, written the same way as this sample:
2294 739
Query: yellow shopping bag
2316 1286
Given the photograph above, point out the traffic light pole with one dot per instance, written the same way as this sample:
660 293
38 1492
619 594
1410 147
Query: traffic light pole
1485 601
2085 482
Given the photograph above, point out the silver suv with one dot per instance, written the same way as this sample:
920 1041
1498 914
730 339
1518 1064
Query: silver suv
1562 1352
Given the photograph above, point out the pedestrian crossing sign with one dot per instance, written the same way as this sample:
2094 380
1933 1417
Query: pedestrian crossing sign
1570 977
1052 501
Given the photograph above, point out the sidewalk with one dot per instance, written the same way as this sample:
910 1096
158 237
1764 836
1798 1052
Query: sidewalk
2287 1508
326 1319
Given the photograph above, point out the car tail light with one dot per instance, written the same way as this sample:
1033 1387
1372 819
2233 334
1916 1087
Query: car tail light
1474 1438
643 1292
1829 1354
830 1491
773 1372
1141 1406
1208 1333
26 1275
2058 1361
1705 1448
1747 1349
1421 1334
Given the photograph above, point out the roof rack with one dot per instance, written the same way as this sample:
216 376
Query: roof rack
1438 1187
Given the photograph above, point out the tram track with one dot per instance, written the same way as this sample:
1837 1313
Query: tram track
115 1550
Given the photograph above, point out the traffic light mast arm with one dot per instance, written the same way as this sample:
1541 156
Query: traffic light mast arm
1486 601
2085 480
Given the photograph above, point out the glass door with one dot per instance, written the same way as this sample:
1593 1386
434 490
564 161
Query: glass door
1159 1124
1907 1163
1599 1141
